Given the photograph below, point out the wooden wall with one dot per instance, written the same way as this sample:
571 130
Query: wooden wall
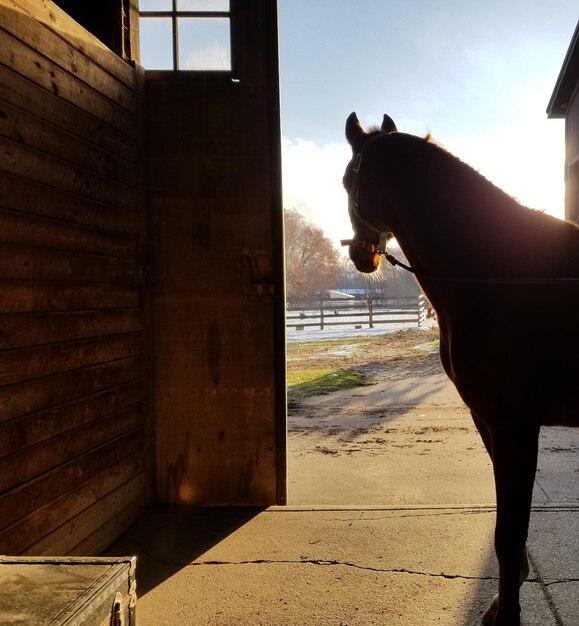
72 398
572 129
572 160
214 186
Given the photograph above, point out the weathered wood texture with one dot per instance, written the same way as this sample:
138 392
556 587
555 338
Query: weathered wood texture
72 408
217 277
572 159
572 129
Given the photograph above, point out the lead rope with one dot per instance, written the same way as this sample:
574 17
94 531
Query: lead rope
394 261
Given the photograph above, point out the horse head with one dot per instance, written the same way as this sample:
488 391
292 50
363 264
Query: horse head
370 238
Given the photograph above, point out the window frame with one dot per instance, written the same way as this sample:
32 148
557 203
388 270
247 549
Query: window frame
174 14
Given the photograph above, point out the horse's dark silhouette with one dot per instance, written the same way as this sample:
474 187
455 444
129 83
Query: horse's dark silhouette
504 281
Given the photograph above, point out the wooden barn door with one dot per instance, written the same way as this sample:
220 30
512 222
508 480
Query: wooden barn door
214 196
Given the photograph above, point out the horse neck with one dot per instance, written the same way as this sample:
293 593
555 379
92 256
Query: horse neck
451 220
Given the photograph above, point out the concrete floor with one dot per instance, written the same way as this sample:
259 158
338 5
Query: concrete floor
388 524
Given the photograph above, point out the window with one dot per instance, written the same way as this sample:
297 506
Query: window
192 35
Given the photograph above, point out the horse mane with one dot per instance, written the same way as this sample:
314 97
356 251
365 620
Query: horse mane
477 178
477 183
449 192
375 130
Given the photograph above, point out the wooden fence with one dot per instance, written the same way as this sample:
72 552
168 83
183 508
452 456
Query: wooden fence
358 313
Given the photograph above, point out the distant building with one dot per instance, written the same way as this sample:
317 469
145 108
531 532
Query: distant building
338 294
564 103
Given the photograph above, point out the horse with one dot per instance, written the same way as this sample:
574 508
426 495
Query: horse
503 280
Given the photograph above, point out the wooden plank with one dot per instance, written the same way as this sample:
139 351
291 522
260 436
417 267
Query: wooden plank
51 391
41 70
32 329
27 430
30 264
28 96
572 129
38 199
111 529
27 363
65 538
54 18
20 160
43 520
23 465
27 498
37 296
28 129
27 230
66 57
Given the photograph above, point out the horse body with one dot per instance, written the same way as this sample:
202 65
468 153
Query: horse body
504 281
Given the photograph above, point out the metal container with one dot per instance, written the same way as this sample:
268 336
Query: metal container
67 591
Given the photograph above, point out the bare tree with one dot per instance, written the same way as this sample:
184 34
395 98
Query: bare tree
312 261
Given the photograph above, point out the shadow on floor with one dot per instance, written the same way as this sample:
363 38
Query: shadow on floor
166 539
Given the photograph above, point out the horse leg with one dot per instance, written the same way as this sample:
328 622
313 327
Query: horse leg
486 438
489 616
514 454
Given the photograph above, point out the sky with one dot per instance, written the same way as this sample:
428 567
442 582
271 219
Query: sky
477 75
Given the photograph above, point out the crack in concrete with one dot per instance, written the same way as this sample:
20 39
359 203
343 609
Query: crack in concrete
370 568
333 562
538 484
560 581
395 570
416 514
543 585
482 510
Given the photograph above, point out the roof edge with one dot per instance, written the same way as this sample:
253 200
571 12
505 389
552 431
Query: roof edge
566 81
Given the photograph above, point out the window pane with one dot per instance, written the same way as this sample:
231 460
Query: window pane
204 44
156 43
155 5
202 5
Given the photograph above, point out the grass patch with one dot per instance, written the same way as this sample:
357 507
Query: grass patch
316 382
431 346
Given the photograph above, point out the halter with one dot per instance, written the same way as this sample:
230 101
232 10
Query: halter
379 249
382 234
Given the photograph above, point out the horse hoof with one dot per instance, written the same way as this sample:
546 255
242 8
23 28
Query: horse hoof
489 617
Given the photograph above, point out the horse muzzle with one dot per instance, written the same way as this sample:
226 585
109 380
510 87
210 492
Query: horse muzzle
366 256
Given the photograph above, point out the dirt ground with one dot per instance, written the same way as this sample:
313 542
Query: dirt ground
405 437
380 359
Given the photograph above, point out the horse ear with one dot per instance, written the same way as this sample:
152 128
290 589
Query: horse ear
388 125
355 134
